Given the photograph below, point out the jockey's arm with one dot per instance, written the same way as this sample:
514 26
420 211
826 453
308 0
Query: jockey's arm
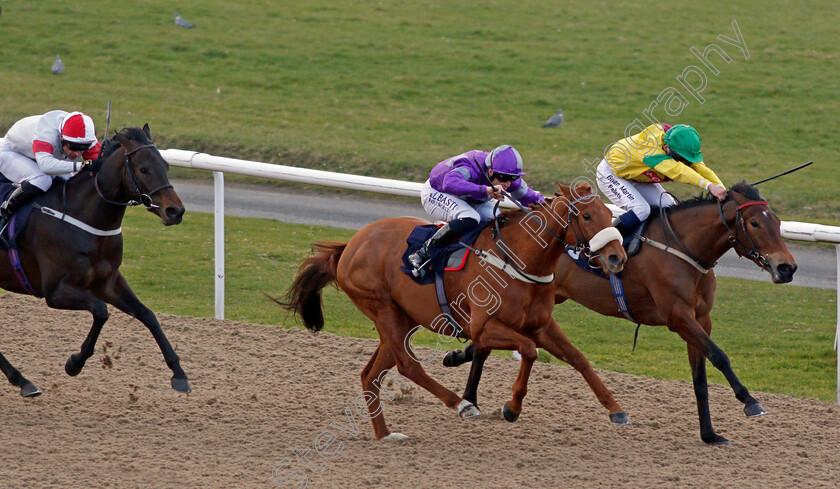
520 191
682 173
457 182
49 164
707 173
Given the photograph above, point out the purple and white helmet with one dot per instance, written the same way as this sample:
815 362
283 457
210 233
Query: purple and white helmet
505 159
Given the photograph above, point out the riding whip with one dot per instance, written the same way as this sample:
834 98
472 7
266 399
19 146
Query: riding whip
785 172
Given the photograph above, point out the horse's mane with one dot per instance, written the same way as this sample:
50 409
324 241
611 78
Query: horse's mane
741 187
109 146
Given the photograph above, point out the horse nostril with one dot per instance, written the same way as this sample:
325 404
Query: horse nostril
174 213
786 269
613 259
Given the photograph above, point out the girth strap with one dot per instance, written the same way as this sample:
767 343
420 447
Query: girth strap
440 292
14 260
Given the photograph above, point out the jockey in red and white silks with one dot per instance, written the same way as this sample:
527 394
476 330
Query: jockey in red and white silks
39 146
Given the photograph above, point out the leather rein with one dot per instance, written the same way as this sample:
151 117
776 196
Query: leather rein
751 251
581 245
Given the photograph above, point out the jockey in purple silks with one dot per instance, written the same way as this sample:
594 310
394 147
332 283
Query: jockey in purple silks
462 191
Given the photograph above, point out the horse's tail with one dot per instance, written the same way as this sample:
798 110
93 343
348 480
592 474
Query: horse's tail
316 272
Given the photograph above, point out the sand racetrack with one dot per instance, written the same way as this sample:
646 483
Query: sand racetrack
262 392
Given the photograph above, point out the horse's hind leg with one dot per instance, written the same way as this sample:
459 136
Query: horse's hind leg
555 341
27 388
118 293
381 361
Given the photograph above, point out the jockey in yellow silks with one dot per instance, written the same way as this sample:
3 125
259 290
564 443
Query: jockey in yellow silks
632 172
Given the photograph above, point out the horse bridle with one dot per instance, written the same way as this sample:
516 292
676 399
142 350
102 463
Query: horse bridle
752 251
145 197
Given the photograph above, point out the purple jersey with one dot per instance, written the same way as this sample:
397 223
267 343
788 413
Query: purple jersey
464 176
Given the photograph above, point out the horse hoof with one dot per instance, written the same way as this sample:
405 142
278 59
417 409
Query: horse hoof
509 415
620 419
181 385
718 441
453 358
466 409
29 390
395 437
73 366
754 410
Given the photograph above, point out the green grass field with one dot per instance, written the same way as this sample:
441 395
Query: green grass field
390 88
779 338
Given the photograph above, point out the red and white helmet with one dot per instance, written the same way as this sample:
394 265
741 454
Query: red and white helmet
78 128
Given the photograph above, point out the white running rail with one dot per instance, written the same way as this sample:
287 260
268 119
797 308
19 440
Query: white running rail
801 231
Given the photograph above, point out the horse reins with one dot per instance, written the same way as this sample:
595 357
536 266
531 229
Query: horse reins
145 197
581 244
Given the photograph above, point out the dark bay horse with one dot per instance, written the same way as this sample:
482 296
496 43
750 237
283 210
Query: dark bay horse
76 268
498 311
663 289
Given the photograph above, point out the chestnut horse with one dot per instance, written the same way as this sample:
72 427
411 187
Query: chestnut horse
663 289
71 251
367 268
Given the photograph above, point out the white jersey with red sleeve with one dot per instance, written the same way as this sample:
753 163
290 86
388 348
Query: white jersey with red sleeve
39 138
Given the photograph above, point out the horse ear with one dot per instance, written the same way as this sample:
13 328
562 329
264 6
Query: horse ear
564 190
729 210
583 189
122 139
146 130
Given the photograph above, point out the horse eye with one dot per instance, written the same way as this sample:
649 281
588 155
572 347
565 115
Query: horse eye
144 170
587 217
754 223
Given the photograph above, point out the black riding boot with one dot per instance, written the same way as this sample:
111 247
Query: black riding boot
443 236
419 258
20 197
627 223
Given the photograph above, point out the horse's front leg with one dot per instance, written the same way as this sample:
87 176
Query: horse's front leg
118 293
553 339
701 388
690 330
498 336
27 388
68 296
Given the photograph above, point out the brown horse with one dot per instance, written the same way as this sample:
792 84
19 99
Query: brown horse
76 266
367 268
662 288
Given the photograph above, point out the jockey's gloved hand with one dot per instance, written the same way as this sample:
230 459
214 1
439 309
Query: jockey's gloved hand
91 165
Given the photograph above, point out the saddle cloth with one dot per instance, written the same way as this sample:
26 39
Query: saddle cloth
449 258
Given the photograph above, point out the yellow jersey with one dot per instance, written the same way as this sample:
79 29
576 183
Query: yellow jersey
641 158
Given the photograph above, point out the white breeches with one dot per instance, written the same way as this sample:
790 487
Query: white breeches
631 195
446 207
19 168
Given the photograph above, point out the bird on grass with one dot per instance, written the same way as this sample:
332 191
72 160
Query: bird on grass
183 22
554 120
58 66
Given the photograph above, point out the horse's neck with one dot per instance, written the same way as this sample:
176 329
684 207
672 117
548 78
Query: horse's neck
531 240
699 229
82 200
